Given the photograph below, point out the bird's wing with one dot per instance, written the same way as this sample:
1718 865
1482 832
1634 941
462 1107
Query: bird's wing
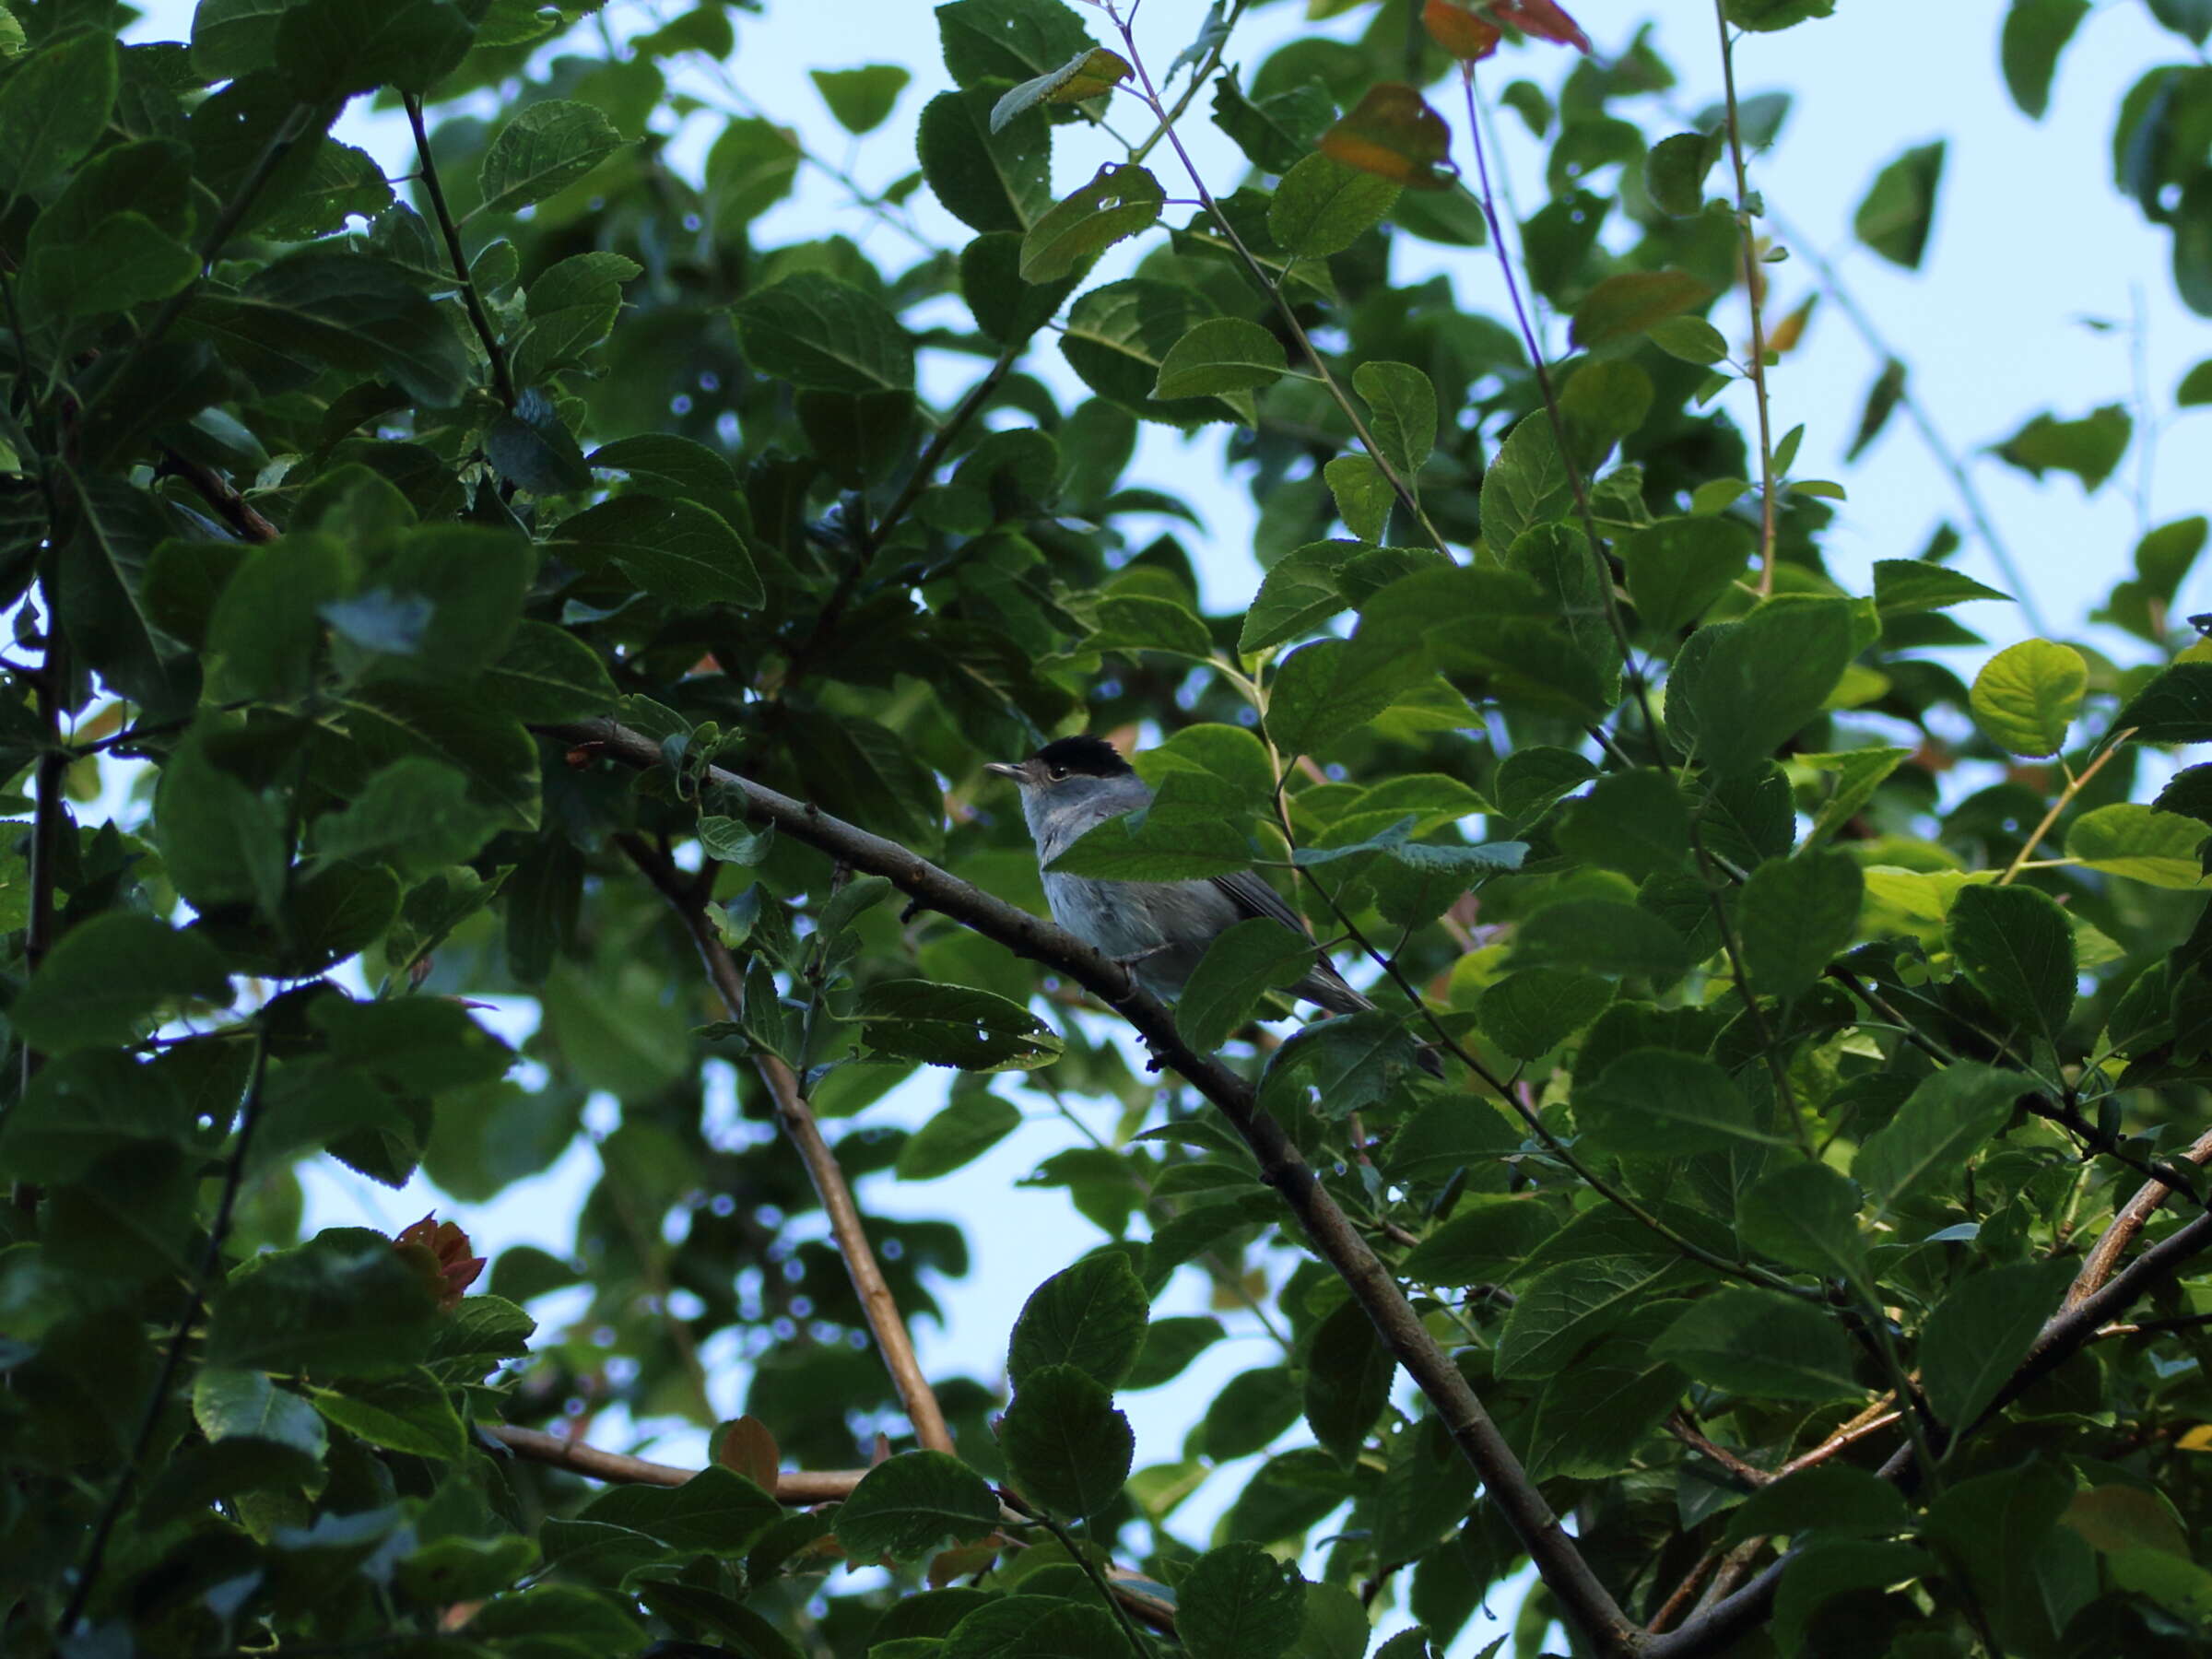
1252 897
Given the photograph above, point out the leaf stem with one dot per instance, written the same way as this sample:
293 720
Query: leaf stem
1753 283
2066 798
502 378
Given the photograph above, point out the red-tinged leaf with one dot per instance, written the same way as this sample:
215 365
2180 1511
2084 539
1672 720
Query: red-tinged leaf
1395 136
1540 19
440 1251
1453 26
744 1446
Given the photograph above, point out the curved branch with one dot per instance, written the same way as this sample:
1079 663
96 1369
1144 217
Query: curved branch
885 1321
2128 1220
1326 1227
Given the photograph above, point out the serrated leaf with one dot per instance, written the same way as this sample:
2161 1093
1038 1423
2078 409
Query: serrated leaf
908 1505
1221 354
544 149
953 1025
1089 74
1119 202
1065 1443
1091 1316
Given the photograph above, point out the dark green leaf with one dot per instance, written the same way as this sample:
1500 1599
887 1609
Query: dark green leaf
956 1135
953 1025
109 977
342 1304
678 551
1065 1443
1531 1012
1940 1125
861 100
407 1412
1482 1241
1794 916
1348 1380
815 331
1238 1602
544 149
1677 568
989 180
2035 32
1980 1333
1566 1307
1655 1101
2090 448
1239 968
1828 1499
1756 1343
2013 943
2176 707
1091 1316
1759 680
1806 1216
1895 218
54 107
906 1507
1323 207
1675 170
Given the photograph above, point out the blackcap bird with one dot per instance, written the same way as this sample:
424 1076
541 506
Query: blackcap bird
1158 929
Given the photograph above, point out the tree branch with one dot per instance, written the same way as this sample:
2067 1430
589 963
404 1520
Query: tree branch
218 493
1587 1602
885 1321
535 1445
2128 1220
502 377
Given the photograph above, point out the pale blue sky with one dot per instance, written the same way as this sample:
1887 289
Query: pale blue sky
2032 245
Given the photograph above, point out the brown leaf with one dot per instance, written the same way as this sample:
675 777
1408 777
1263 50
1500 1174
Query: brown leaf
1395 136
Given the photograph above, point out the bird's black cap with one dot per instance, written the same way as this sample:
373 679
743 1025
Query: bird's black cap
1086 756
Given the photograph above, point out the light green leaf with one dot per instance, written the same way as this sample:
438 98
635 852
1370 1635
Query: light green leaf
546 147
2028 695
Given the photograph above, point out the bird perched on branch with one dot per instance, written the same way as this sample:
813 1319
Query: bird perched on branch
1157 929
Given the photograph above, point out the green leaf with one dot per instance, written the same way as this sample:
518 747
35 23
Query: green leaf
1238 1602
1527 484
1756 1343
1239 968
1363 497
408 1412
1659 1101
2192 20
1761 679
547 673
108 977
1063 1442
1828 1499
54 107
1899 206
491 750
2176 707
1331 687
328 48
2195 389
1091 1316
1601 935
861 100
1484 1239
571 307
1348 1380
1635 822
908 1505
1033 1626
1804 1216
1119 202
675 550
1882 399
1118 337
414 815
2028 695
1906 586
1348 1063
953 1025
1982 1330
1322 207
1764 17
544 149
2015 945
1675 170
1633 301
1221 354
2139 843
342 1304
1531 1012
989 180
233 38
230 1405
1568 1306
1940 1125
956 1136
1794 916
716 1511
2035 32
1688 340
1089 74
1164 847
815 331
2090 448
1008 39
1677 568
1401 401
1170 1345
223 841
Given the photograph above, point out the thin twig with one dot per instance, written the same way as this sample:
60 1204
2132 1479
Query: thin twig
1330 1231
1753 283
535 1445
501 378
2066 798
1400 487
1750 1474
881 1309
219 494
1199 77
172 1361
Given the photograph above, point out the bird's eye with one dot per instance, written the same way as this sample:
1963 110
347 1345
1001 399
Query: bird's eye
1058 772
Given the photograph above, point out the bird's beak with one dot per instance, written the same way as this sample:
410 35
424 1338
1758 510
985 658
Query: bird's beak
1017 770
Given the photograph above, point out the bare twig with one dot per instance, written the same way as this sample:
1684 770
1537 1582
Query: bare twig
1750 1474
219 494
2066 798
1753 283
1331 1233
535 1445
881 1309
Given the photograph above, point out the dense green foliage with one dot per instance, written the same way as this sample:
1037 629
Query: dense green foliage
1811 1000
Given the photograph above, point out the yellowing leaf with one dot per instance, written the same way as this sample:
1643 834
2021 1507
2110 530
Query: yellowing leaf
1395 136
1085 75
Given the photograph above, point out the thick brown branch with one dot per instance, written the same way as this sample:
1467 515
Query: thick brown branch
885 1321
2127 1222
821 1486
1326 1227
